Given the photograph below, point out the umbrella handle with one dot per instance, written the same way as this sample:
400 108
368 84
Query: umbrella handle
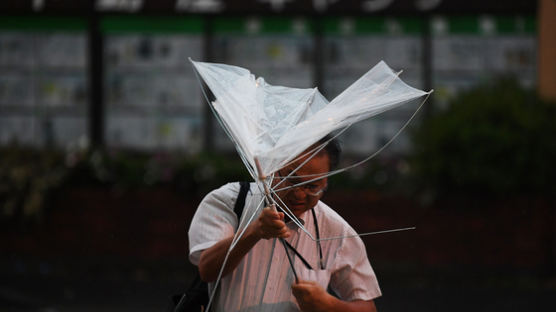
269 200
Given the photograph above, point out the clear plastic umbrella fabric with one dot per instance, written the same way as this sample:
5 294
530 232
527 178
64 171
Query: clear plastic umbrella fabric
275 123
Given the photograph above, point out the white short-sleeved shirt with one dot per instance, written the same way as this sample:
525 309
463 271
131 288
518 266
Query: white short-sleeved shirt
263 278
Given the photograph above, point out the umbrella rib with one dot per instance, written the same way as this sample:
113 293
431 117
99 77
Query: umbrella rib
320 176
232 245
224 126
290 214
365 234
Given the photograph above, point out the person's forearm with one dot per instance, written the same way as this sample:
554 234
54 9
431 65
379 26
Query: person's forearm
213 257
353 306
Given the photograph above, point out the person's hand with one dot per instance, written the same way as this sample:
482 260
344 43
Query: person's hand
271 224
311 297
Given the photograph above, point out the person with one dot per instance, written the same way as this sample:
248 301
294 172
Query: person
258 275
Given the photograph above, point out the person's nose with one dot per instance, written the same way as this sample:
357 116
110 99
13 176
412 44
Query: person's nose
298 193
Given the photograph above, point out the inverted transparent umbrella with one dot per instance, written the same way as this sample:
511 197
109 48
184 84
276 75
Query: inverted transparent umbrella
271 126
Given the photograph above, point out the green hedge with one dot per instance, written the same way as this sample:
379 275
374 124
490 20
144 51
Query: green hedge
496 138
29 176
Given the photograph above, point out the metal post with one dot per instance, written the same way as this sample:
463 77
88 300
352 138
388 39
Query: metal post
318 59
208 56
95 75
426 40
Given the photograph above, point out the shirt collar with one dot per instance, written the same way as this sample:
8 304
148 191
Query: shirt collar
292 225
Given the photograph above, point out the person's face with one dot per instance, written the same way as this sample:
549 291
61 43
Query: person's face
305 197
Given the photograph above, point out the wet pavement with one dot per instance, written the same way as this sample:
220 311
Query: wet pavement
51 294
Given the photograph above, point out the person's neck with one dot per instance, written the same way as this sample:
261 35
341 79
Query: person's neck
288 219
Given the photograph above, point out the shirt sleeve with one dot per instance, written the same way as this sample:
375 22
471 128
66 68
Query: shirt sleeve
353 277
213 221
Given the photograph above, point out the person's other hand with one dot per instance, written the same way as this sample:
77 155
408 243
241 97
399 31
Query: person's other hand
271 224
311 297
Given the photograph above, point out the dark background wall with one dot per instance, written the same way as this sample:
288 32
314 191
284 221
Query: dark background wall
107 145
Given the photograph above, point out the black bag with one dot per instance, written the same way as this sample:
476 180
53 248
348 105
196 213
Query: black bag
196 296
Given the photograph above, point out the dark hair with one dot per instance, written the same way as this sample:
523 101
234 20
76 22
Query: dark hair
333 149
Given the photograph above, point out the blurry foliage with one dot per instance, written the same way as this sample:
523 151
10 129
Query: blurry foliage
29 176
190 175
496 138
26 177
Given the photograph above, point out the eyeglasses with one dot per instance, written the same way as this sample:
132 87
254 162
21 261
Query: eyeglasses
309 189
312 190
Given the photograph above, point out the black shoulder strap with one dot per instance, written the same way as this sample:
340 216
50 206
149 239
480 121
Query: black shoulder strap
240 201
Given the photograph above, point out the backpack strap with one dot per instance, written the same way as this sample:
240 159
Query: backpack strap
196 296
244 187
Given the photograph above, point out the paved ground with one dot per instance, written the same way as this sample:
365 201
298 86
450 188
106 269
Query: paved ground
40 293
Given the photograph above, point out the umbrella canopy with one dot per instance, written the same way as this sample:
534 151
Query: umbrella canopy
275 124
